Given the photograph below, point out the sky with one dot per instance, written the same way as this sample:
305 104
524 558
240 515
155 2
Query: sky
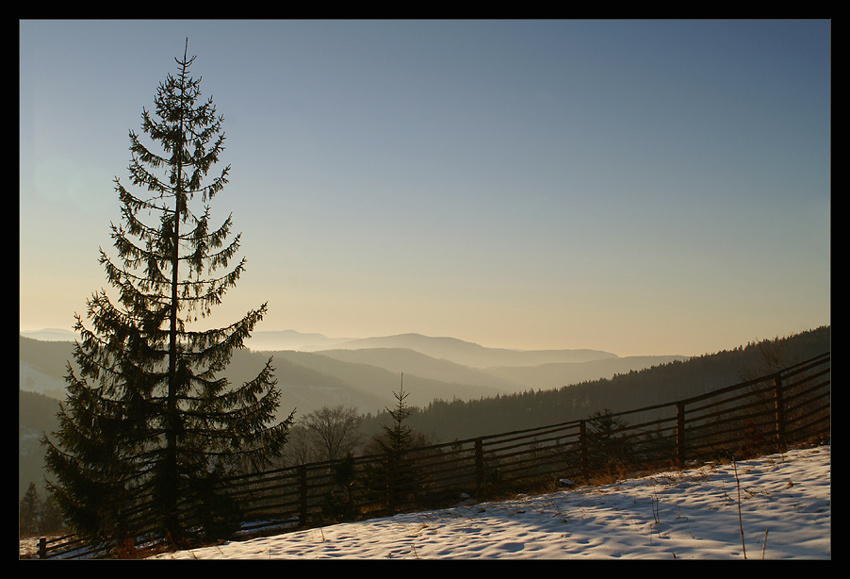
641 187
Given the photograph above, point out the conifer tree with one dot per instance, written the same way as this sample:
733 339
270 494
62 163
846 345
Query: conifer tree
398 436
397 439
28 512
148 421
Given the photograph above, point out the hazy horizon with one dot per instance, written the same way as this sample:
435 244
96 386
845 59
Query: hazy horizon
638 187
323 342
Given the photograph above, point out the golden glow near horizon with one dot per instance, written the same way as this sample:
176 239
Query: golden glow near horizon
643 188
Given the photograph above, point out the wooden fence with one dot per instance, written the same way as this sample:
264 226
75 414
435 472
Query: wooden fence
761 415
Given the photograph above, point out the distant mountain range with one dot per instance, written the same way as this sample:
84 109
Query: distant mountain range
314 370
270 341
466 353
50 335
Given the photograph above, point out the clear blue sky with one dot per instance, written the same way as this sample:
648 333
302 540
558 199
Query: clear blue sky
642 187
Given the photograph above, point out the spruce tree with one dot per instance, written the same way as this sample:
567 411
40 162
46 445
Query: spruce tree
148 421
28 513
397 439
398 436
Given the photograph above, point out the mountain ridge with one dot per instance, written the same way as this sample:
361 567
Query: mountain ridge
276 340
309 381
468 353
366 377
442 348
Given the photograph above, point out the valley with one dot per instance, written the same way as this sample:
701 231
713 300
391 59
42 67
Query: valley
459 389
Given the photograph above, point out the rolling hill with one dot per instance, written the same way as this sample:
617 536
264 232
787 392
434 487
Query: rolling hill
555 375
364 374
467 353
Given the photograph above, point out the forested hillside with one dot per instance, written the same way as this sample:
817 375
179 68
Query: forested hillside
36 415
447 420
445 409
365 378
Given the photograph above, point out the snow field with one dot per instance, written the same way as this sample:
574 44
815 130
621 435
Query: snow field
692 514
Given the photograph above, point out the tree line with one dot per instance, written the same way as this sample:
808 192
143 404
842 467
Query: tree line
39 517
447 420
332 432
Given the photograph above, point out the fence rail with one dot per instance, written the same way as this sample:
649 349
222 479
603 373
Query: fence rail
761 415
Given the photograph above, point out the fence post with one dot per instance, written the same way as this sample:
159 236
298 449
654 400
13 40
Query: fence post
302 476
42 548
479 466
779 405
582 441
680 434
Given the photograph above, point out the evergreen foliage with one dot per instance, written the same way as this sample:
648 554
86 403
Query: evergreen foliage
28 512
609 446
398 436
446 420
397 471
37 517
147 423
340 504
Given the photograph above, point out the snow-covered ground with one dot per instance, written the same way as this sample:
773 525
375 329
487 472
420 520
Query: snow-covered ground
783 501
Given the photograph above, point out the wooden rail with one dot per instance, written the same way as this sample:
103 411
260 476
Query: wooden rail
761 415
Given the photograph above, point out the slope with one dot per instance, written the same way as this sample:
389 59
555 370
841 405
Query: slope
559 374
413 363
